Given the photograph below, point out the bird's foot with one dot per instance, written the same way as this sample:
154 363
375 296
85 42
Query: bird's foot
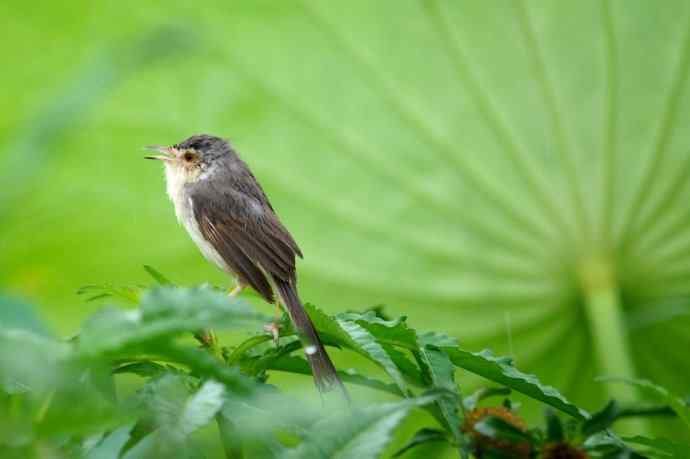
274 329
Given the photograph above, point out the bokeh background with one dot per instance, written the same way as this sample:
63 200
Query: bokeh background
513 173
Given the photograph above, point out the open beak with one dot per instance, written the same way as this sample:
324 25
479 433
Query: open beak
169 153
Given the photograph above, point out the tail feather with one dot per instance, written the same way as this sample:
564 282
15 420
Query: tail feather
325 375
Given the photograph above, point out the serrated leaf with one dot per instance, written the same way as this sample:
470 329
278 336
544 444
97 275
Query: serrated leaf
368 345
350 334
500 370
361 433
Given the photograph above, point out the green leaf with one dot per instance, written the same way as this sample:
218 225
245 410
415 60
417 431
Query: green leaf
144 368
442 374
423 436
165 312
30 362
16 314
500 370
298 365
157 276
179 413
360 433
680 406
554 427
346 332
601 420
661 447
366 344
146 448
499 429
470 402
111 446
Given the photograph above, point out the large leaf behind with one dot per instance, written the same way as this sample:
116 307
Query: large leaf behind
462 161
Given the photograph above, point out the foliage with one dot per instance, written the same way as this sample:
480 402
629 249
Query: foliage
66 399
511 167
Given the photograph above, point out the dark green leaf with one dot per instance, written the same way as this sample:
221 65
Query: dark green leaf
554 427
601 420
146 369
422 437
678 405
499 429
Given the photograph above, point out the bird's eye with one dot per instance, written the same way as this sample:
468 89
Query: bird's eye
189 156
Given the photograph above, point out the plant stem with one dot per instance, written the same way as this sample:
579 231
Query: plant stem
609 331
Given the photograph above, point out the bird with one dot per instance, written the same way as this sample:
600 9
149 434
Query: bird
226 212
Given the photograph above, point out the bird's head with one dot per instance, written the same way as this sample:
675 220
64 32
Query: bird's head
192 157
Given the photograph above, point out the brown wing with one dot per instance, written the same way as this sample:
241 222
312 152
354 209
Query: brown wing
248 236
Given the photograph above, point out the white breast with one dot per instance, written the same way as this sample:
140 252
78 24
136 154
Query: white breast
184 210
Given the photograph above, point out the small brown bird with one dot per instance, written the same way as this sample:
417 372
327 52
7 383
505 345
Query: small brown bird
227 214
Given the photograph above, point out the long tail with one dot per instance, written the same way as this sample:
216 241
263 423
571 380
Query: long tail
324 372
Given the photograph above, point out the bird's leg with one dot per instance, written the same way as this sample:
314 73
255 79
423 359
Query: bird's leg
274 327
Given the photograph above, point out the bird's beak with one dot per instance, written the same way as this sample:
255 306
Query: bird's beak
169 153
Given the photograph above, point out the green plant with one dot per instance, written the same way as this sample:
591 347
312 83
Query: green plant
66 399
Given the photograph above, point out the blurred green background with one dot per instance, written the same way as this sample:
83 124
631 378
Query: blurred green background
513 173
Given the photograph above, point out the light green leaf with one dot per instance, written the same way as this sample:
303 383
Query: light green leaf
111 446
661 447
179 413
442 373
165 312
360 433
200 408
16 314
